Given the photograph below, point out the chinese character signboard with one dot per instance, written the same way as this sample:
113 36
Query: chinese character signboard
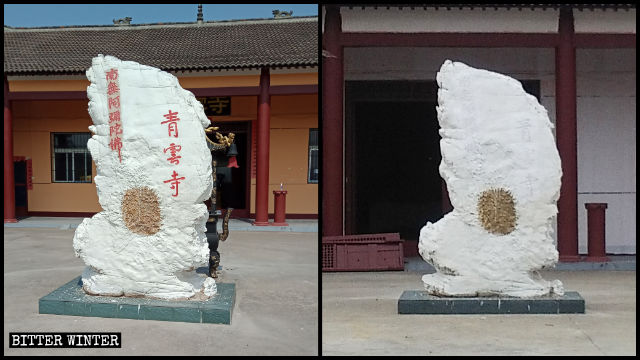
216 105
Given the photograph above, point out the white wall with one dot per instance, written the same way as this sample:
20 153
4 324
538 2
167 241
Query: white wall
606 85
610 21
420 19
606 89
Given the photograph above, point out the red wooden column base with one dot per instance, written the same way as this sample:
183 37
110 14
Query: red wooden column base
569 258
596 247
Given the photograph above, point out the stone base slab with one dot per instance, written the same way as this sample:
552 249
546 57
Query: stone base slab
70 299
420 302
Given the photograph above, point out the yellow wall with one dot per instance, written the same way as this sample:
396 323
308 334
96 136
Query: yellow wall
190 82
48 85
288 164
33 123
291 118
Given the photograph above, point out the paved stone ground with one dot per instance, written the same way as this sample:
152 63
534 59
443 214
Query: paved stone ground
276 310
65 223
359 312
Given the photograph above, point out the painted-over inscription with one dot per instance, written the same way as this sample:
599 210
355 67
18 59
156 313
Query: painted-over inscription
502 169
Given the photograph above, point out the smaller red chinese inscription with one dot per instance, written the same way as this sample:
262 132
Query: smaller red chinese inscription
113 104
114 117
112 88
116 144
112 74
115 129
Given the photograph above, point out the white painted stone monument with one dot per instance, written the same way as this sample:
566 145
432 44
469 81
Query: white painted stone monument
502 169
153 175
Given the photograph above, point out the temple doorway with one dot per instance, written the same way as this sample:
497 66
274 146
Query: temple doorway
392 148
233 183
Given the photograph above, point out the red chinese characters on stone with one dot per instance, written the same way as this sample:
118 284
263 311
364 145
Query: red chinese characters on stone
174 181
112 88
115 129
172 120
112 74
173 149
114 117
116 144
113 104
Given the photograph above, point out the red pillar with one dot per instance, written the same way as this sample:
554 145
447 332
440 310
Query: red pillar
566 138
262 151
9 186
332 146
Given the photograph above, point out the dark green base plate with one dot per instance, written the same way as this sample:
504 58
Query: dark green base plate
70 299
420 302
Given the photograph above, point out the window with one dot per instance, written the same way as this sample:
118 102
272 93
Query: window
314 170
70 158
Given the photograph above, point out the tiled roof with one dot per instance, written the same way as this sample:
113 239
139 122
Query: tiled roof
179 46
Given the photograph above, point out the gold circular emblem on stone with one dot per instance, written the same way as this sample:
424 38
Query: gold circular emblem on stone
497 211
141 211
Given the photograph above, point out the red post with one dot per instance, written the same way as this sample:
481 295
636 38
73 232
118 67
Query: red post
262 151
566 138
9 186
596 228
279 207
332 123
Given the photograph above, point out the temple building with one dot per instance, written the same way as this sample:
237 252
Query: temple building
257 78
380 131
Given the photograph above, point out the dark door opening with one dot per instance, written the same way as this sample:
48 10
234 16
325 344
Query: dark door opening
233 183
20 181
398 186
393 154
